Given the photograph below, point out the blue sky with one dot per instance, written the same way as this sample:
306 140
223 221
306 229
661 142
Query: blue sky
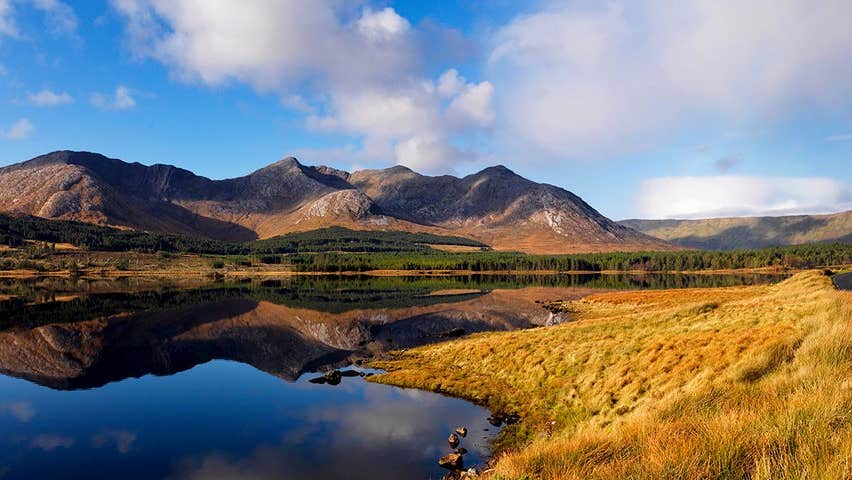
644 109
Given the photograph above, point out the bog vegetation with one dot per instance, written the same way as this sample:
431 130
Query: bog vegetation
743 382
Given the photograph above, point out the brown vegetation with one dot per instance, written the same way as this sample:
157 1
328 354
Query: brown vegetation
749 382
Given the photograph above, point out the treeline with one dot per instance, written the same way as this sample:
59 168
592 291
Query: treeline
797 256
15 230
339 239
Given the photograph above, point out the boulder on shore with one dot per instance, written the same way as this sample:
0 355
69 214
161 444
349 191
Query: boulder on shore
452 461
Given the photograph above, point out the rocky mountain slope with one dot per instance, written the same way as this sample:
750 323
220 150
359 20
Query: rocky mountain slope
749 232
495 206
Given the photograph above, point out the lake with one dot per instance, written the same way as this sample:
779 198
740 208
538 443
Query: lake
192 379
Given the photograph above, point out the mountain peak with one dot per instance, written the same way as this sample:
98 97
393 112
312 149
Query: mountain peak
497 169
495 205
286 162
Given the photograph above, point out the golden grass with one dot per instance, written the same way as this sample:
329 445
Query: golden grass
746 382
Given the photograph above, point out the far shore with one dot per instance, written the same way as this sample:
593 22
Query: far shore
238 273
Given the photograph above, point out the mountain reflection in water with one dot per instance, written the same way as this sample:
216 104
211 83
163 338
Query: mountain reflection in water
216 405
73 335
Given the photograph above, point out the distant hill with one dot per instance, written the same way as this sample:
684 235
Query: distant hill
495 206
748 232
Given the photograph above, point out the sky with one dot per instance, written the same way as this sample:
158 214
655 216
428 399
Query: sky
644 108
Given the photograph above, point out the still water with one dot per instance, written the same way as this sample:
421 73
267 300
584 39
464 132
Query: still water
166 379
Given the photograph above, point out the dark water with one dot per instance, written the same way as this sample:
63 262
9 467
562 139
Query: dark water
159 378
843 281
228 420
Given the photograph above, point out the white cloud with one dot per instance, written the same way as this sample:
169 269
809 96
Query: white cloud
60 16
430 154
19 130
121 99
48 98
729 195
7 19
298 103
357 72
380 113
382 25
270 44
589 79
450 83
473 106
839 138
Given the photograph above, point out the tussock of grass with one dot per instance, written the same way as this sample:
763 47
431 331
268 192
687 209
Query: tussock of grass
750 382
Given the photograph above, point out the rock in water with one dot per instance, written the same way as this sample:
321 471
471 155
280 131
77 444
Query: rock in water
462 431
452 461
454 440
461 450
333 377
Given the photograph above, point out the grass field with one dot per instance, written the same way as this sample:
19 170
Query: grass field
744 382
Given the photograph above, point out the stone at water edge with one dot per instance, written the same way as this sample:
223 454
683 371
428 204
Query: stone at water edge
333 377
461 475
462 431
461 450
350 373
452 461
453 440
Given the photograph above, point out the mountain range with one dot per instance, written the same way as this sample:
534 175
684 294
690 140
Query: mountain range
749 232
495 206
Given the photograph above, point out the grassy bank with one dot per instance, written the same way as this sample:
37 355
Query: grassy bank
744 382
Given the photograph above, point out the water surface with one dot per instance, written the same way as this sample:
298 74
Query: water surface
191 379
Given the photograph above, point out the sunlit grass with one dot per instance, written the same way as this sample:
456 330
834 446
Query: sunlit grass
744 382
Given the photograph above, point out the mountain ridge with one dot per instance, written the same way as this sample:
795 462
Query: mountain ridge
494 205
749 232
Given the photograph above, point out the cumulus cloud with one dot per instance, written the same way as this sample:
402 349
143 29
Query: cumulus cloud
121 99
270 44
382 25
473 106
430 154
731 195
48 98
590 79
363 67
19 130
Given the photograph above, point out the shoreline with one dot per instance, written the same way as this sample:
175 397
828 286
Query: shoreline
604 406
218 274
